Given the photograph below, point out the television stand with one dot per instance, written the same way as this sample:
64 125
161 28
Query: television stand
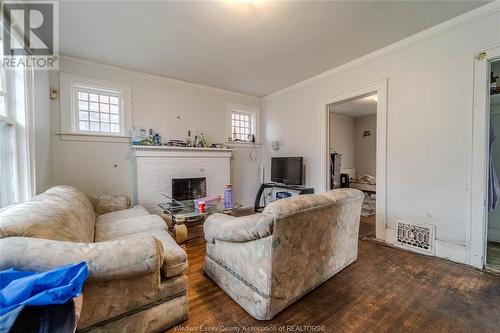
301 189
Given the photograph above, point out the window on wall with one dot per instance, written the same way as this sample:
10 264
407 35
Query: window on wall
242 126
93 109
7 145
98 111
7 148
242 123
16 172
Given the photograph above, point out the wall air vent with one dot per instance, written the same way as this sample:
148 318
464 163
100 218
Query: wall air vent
416 237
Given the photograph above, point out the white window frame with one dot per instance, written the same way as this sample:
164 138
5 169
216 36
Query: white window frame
96 90
9 121
253 112
19 96
69 127
19 102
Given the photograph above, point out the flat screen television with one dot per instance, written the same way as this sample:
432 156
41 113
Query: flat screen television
287 170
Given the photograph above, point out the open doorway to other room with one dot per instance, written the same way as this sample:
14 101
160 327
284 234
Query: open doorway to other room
493 230
353 151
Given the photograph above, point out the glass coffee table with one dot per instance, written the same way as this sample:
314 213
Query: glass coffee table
186 211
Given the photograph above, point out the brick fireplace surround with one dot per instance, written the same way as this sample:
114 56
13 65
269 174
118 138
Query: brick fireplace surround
156 166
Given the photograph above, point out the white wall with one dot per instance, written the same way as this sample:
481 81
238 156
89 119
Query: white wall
168 106
429 132
43 133
365 148
342 139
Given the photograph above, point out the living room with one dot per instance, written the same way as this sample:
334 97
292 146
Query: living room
181 166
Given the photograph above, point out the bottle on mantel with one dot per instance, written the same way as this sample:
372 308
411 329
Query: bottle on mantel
202 142
188 139
196 140
151 135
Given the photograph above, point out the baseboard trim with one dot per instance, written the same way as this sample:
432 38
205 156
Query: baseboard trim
451 251
443 249
390 236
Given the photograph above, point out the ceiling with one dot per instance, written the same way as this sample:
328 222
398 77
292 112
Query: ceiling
255 48
361 107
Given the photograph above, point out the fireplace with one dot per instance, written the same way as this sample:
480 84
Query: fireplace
158 165
189 188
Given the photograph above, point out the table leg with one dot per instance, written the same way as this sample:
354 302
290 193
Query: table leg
180 232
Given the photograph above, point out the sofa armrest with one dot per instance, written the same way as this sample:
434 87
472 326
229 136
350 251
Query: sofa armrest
238 229
106 260
109 203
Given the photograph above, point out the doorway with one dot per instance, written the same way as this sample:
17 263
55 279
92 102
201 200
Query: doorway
380 89
353 147
493 225
480 229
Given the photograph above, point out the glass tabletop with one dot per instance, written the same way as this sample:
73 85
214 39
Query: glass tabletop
187 208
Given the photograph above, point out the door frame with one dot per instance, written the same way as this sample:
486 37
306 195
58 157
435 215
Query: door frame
380 88
477 222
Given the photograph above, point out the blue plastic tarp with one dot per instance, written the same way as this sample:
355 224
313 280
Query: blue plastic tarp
21 288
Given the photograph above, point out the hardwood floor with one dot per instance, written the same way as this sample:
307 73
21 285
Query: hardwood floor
385 290
367 227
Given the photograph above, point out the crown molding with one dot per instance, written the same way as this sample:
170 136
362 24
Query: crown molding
65 59
420 37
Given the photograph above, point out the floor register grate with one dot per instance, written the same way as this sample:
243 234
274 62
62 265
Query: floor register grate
415 236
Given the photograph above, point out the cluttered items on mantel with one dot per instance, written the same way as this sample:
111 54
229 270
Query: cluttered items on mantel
143 137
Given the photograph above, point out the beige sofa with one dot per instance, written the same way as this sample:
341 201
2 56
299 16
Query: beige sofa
137 280
267 261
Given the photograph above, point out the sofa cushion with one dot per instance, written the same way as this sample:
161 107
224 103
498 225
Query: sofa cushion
175 258
109 203
121 214
115 229
62 213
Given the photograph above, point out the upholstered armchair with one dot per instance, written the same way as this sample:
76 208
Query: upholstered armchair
267 261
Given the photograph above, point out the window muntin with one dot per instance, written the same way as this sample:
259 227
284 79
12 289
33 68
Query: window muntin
98 111
242 123
242 126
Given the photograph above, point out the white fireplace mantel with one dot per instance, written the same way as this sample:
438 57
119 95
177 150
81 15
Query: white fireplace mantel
166 151
156 166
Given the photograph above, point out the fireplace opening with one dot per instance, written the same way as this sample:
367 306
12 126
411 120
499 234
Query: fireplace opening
189 188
